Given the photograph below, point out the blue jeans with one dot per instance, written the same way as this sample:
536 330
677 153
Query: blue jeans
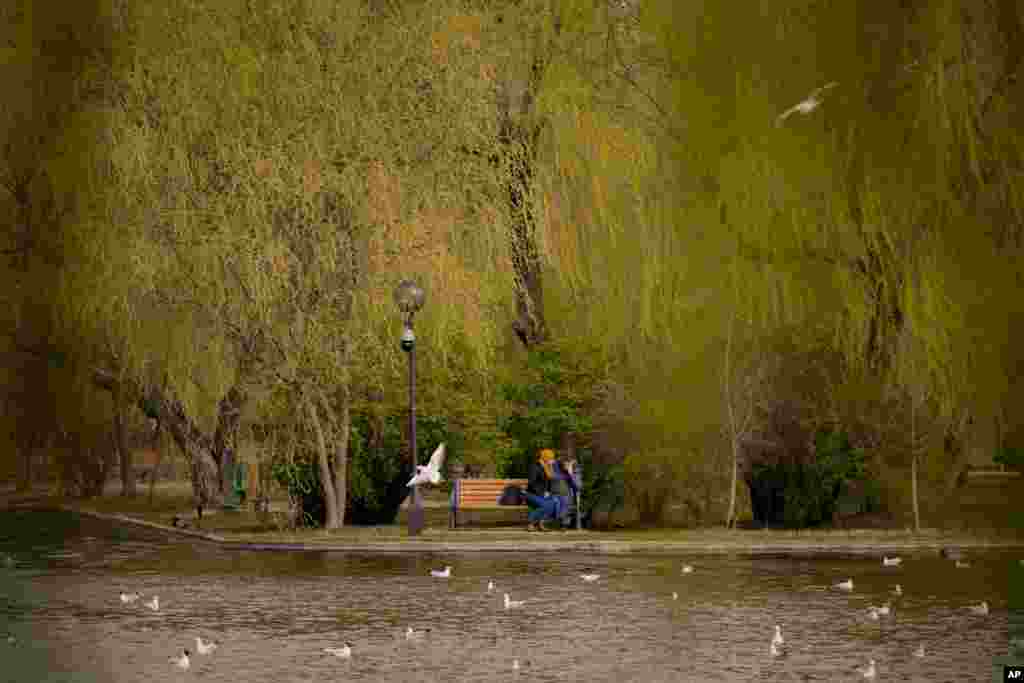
541 508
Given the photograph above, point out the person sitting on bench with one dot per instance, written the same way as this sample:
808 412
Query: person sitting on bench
543 506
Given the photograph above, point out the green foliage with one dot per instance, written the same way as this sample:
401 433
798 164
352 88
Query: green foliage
1011 456
551 398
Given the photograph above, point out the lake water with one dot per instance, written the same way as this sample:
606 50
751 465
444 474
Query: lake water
273 613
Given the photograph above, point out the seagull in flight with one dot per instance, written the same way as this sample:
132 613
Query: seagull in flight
808 105
181 662
441 573
431 472
204 648
343 652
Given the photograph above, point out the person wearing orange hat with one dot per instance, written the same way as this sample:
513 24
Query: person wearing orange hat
543 506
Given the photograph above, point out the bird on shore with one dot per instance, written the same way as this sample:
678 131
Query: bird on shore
919 652
182 662
846 585
205 648
891 561
509 603
675 595
441 573
431 472
687 569
870 671
343 652
129 598
980 609
590 578
154 604
806 106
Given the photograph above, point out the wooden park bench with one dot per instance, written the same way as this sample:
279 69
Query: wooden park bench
483 494
479 494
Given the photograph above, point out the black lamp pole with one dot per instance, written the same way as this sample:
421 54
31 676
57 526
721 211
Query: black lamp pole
410 298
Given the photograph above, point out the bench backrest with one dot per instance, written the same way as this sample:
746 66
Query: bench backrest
470 492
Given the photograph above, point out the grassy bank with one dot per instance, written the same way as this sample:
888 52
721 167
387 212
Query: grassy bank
504 529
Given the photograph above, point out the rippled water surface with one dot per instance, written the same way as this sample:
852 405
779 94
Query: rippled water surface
273 613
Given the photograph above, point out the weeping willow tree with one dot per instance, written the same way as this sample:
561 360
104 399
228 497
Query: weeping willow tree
889 200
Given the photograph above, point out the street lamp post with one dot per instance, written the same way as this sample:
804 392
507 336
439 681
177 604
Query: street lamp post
409 298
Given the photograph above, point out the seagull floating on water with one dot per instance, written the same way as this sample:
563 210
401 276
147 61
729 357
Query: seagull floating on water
806 106
960 564
343 652
891 561
181 662
441 573
410 633
777 639
979 609
846 585
515 664
205 648
129 598
898 590
431 472
590 578
869 671
509 603
154 604
687 569
919 652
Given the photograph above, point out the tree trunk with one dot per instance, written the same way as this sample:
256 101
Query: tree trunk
229 414
156 467
341 457
198 450
913 494
121 445
326 480
730 519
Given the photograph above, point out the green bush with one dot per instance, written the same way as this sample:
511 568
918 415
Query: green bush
1011 456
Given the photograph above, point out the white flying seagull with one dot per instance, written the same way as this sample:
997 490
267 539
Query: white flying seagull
431 472
808 105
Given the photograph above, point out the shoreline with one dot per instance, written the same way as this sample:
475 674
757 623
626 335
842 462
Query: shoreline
690 542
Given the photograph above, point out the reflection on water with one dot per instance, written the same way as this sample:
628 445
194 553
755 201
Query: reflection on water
273 613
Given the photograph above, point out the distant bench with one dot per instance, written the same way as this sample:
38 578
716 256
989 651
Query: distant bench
479 494
483 494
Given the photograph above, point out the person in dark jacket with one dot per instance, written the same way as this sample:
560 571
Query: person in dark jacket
543 506
563 489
